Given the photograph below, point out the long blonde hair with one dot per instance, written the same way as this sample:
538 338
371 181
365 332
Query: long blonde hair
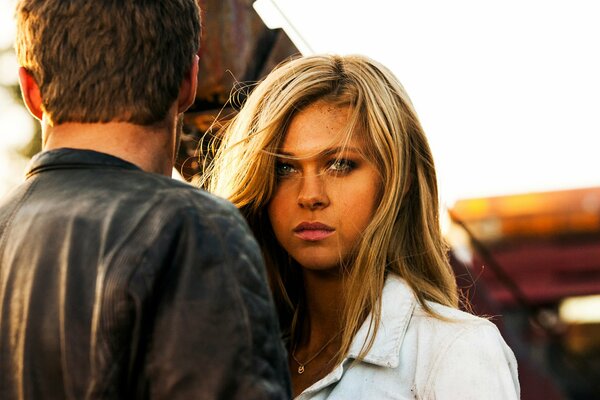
404 237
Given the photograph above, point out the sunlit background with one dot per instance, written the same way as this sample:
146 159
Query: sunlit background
16 126
509 96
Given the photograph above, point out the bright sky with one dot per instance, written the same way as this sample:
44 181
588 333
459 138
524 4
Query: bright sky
508 92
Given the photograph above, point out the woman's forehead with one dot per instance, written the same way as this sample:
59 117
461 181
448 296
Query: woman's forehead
320 126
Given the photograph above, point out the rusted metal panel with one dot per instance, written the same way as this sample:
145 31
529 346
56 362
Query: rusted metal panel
236 48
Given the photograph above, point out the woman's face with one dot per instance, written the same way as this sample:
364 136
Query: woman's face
326 190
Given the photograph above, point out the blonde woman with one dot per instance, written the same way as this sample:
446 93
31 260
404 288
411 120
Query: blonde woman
330 166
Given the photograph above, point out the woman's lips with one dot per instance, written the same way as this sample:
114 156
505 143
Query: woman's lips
313 231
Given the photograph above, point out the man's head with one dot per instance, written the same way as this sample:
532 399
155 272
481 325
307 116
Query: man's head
107 60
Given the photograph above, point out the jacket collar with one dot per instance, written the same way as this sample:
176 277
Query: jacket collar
397 305
74 158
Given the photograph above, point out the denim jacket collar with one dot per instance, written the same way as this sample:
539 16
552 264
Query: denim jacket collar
397 305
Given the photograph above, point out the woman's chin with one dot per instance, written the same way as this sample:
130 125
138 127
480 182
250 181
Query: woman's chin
318 263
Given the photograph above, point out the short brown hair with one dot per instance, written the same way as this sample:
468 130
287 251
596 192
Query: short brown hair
107 60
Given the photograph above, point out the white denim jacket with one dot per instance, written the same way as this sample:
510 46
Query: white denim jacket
417 356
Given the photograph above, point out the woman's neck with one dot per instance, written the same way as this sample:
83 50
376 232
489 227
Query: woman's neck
317 340
324 299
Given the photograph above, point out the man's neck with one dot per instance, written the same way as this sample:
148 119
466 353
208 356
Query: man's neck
150 148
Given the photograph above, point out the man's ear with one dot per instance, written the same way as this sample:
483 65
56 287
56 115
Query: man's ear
187 91
31 93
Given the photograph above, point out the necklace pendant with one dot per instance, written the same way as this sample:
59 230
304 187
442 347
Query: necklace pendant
301 369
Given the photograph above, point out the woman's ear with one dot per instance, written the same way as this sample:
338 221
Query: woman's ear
31 93
187 91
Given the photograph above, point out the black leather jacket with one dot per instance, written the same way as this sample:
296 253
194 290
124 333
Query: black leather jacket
117 283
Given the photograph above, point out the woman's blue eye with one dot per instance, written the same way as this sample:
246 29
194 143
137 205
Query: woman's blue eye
283 169
342 166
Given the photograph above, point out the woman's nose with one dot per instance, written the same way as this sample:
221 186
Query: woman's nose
312 194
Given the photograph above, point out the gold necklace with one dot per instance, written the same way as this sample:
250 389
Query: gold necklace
304 364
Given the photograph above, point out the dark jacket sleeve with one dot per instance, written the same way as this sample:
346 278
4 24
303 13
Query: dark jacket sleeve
214 332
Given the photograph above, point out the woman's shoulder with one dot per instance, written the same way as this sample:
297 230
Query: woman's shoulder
444 325
397 288
436 320
439 329
460 353
445 354
442 313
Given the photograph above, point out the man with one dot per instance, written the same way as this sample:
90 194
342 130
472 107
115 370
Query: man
116 281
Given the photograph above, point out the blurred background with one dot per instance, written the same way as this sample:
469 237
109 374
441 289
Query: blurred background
509 95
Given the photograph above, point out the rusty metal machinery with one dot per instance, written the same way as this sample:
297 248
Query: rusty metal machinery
237 50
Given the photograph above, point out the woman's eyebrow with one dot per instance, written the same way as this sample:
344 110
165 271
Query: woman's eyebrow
324 153
339 149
